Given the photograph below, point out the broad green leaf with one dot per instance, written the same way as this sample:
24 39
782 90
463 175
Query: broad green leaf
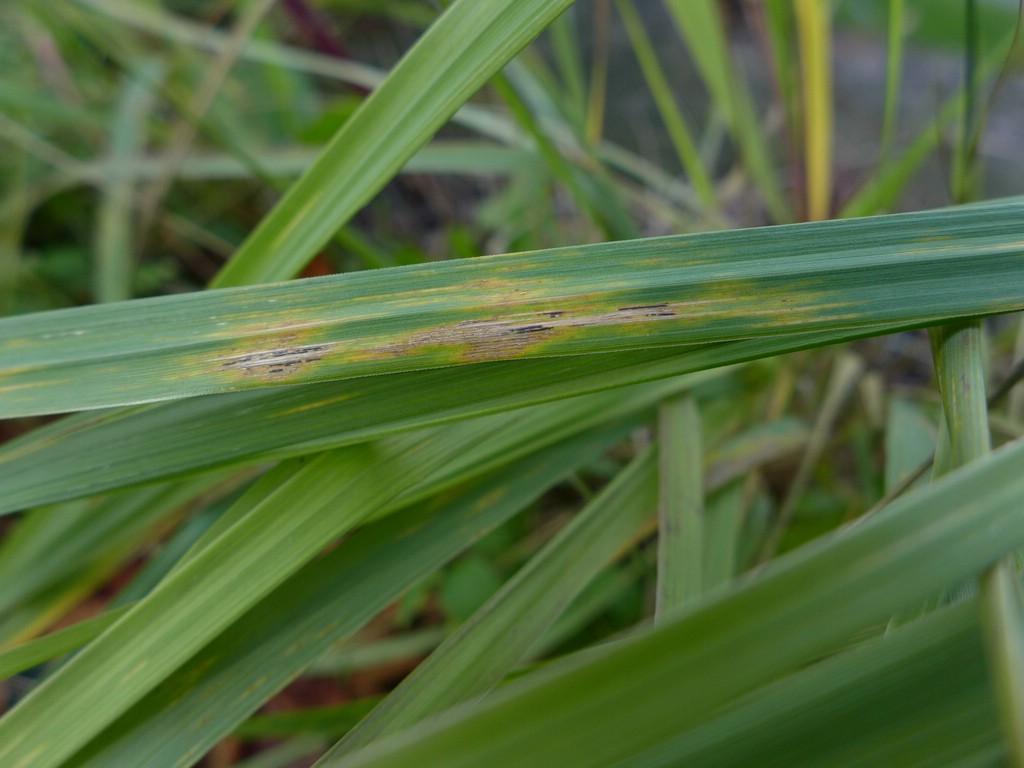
502 632
690 289
326 601
612 703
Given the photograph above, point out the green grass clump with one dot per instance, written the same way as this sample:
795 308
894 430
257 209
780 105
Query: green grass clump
600 431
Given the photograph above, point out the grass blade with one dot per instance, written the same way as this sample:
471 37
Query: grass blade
323 498
468 44
501 633
690 289
814 25
610 704
326 601
681 539
845 711
701 26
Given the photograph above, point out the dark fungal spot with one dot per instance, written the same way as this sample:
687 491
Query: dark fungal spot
276 361
649 310
530 328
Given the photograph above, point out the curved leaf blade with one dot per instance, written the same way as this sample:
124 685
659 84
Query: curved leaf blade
689 289
468 44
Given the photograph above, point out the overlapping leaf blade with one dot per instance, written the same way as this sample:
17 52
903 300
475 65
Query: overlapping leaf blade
327 600
691 289
468 44
614 703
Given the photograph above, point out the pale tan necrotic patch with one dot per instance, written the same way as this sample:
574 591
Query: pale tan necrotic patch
472 340
279 362
510 336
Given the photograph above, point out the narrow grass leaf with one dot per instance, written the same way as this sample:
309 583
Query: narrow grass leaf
842 381
501 633
93 452
701 27
671 115
909 441
54 556
468 44
29 654
959 365
358 656
324 497
780 27
881 192
917 696
722 532
960 369
689 289
815 28
114 242
327 721
893 74
1003 624
613 703
326 601
681 544
738 456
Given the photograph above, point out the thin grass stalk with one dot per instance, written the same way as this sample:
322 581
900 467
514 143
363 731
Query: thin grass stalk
185 130
598 94
881 192
681 505
114 247
958 350
614 224
845 375
570 65
893 76
814 25
500 634
671 115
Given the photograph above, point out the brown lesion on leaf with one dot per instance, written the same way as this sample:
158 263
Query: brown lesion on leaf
517 335
277 362
649 310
